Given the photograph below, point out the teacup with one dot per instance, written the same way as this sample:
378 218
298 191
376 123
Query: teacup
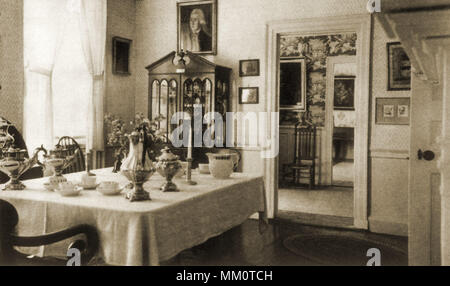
109 188
89 182
67 186
68 189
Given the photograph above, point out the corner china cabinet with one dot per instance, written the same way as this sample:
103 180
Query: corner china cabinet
174 88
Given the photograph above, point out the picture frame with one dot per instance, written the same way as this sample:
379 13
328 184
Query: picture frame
392 111
249 67
248 95
121 56
344 92
399 67
197 26
292 84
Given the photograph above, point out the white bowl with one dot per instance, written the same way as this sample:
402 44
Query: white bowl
109 188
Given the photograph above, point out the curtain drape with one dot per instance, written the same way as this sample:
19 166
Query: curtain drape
43 28
93 39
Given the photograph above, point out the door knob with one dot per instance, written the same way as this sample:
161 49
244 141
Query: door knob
427 155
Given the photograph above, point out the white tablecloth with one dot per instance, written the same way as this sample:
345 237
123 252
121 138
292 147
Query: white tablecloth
141 233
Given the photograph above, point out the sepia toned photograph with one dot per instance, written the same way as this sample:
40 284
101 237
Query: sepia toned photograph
388 111
249 68
197 26
221 141
399 67
248 95
403 111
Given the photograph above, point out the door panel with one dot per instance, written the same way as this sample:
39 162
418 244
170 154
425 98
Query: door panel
424 181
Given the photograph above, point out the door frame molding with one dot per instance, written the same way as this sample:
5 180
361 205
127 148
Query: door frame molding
361 24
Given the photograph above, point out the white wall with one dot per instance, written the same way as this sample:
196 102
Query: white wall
242 35
120 89
389 149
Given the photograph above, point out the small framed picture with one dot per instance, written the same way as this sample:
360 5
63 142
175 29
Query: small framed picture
121 56
388 110
249 68
399 67
393 111
344 93
248 95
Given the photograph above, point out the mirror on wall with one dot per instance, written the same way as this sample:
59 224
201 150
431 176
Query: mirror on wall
343 124
293 84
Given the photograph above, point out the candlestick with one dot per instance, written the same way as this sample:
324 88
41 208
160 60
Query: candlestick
189 155
189 173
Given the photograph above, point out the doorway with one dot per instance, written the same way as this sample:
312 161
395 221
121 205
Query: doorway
331 194
360 26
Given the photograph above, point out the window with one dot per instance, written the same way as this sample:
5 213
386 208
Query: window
71 84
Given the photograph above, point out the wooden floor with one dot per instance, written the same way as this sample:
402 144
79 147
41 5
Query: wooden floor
244 245
330 201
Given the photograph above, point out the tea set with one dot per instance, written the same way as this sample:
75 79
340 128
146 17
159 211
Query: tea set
70 189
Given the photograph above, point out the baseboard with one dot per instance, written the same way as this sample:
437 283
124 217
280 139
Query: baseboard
378 225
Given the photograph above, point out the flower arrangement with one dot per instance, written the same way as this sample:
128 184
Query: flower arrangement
118 132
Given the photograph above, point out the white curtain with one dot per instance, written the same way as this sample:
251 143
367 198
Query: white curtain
43 28
93 39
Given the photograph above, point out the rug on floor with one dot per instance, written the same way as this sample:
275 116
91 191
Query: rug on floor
336 250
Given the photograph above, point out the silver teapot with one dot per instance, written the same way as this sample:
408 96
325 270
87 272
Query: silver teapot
58 160
14 164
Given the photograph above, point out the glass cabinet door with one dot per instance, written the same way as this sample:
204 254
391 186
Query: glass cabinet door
173 89
155 99
163 106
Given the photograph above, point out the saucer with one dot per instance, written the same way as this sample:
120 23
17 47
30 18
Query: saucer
110 192
88 187
50 187
69 193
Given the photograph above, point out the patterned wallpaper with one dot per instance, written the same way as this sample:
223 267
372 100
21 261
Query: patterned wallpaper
315 49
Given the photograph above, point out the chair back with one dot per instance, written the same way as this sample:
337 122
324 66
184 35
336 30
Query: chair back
70 146
7 127
305 143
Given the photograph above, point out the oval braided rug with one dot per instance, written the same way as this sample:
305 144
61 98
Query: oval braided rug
340 250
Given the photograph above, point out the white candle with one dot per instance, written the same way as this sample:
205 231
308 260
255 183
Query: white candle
190 144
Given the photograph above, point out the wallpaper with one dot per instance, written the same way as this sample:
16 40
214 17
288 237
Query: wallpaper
315 49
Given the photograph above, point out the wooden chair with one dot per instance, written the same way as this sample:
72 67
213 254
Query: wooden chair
71 146
304 155
8 240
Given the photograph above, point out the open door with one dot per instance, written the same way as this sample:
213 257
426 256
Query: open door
424 34
424 175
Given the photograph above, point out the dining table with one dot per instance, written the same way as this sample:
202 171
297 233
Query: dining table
144 232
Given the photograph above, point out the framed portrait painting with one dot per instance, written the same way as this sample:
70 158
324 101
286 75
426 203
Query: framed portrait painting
392 110
399 67
248 95
197 26
344 92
